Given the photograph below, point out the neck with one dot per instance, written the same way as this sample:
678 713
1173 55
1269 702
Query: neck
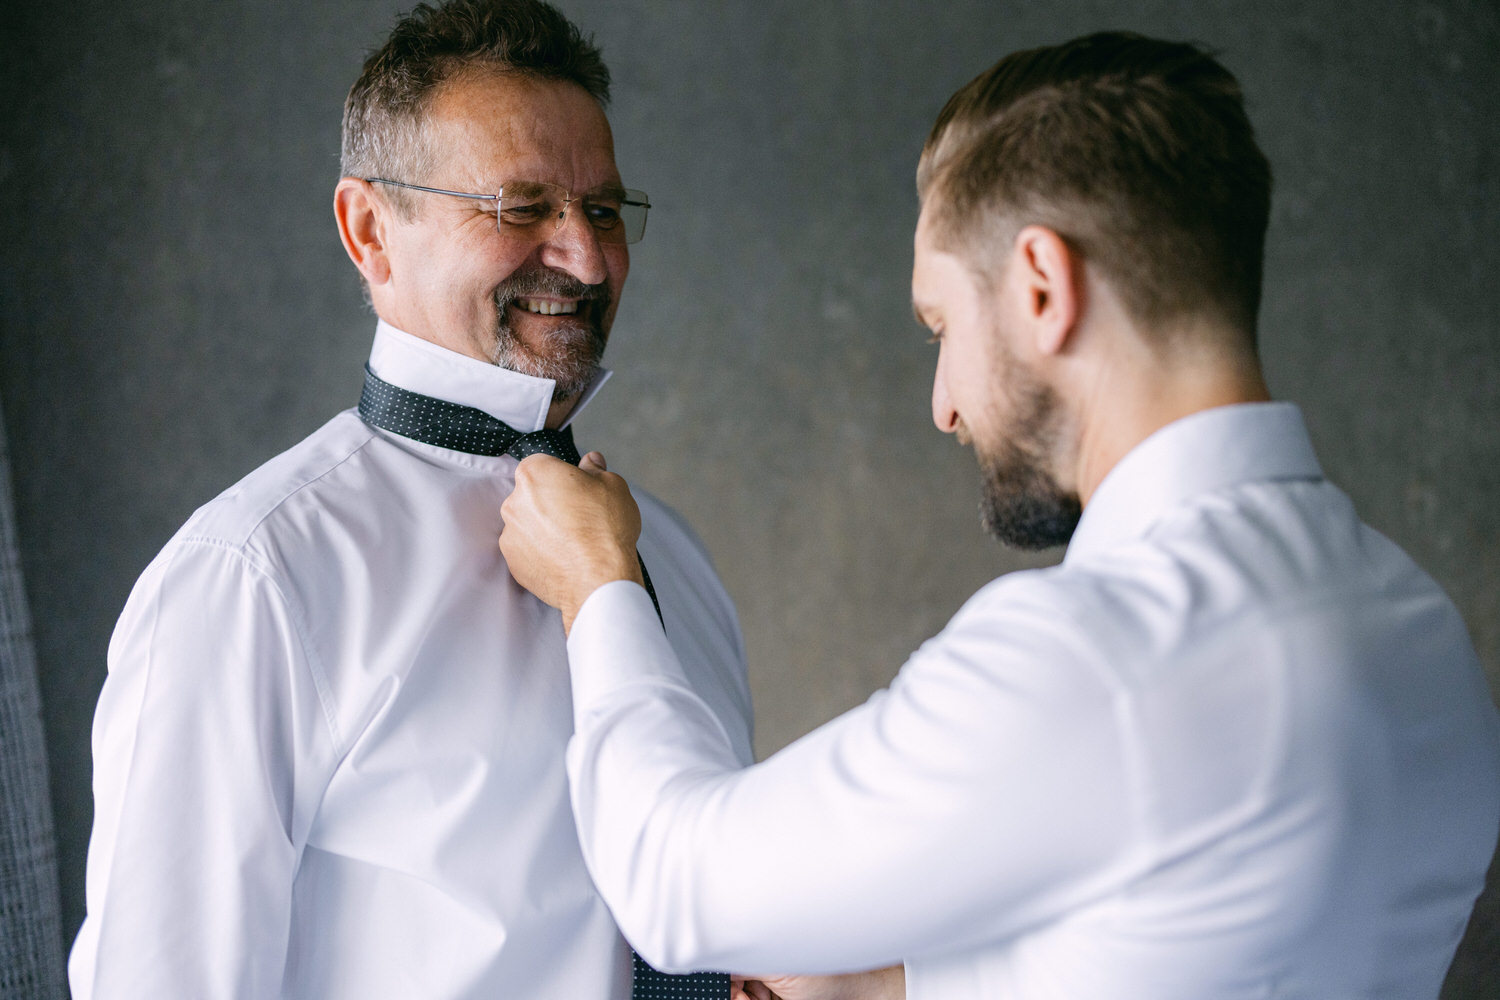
1127 406
559 411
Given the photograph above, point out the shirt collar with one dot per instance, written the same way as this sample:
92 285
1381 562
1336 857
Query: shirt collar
1210 450
421 366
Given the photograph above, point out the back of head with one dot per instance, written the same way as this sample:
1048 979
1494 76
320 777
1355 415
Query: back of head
430 46
1137 152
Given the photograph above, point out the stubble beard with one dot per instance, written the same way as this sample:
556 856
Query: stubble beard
1021 503
569 352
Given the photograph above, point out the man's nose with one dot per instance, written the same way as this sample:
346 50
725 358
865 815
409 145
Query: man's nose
944 415
574 247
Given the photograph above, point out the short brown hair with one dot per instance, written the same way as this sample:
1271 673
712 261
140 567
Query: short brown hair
1138 152
429 46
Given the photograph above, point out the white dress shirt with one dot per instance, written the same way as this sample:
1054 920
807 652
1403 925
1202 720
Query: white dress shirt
1236 745
329 754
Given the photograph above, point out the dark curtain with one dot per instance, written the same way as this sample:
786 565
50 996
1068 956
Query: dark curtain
31 955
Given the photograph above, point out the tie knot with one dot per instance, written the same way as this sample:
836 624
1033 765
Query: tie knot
558 444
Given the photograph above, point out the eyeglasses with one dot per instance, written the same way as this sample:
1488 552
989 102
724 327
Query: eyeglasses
524 208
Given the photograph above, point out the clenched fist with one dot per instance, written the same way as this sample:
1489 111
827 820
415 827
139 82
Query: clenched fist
569 531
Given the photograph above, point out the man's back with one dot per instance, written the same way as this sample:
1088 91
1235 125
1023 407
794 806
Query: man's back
1300 720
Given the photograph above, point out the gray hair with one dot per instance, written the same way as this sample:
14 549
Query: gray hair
384 114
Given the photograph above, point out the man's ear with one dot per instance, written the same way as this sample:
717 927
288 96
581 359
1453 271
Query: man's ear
1050 279
362 219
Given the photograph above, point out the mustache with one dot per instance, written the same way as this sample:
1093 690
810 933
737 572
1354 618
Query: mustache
546 281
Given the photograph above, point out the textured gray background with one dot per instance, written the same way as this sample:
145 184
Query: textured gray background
175 307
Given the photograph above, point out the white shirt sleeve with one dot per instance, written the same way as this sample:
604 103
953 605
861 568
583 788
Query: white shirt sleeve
208 702
987 791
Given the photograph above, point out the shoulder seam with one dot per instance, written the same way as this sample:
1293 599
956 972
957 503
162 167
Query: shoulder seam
244 536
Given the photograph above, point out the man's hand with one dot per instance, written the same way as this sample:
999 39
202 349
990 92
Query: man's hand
569 531
880 984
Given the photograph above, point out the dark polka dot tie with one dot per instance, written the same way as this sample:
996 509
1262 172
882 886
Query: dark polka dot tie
464 428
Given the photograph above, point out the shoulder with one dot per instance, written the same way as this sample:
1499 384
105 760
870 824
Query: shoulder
1254 559
223 548
1041 628
294 478
1231 593
242 539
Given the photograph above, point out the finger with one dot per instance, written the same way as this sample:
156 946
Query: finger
537 458
533 465
593 462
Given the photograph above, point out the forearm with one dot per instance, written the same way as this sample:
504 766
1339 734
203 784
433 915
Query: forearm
923 821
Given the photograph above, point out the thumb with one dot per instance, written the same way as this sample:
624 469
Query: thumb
592 462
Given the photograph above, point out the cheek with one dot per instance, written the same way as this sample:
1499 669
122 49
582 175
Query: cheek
495 262
971 381
617 259
957 369
482 261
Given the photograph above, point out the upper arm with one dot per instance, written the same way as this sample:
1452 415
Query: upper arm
209 705
984 793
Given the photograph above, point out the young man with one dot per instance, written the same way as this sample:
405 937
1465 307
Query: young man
329 754
1236 745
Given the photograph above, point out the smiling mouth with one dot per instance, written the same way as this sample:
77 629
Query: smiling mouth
547 307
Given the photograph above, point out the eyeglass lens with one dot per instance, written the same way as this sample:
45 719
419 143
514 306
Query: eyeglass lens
532 207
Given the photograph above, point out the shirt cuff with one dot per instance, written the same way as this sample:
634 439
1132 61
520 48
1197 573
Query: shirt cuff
617 640
946 978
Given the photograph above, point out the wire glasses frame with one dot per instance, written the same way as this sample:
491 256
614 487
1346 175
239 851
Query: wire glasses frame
617 216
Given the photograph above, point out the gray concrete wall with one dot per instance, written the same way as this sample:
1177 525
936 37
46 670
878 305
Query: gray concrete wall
175 307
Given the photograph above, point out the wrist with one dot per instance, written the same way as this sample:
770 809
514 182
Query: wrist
614 572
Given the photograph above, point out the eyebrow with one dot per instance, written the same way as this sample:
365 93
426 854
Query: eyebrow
611 190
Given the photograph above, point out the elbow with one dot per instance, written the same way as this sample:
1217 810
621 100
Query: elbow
662 928
665 952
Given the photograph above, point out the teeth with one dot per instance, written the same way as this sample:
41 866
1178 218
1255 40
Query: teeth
547 307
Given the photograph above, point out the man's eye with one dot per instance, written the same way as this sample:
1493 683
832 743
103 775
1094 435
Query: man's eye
935 336
602 216
525 214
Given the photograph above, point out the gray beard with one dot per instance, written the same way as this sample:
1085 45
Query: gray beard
569 353
1021 503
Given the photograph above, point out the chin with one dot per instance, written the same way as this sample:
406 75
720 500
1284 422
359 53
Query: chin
569 355
1022 505
1031 522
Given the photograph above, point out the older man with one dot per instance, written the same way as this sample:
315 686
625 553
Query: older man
329 754
1236 745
